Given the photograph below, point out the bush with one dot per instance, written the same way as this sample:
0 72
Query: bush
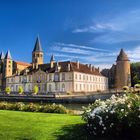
20 90
31 107
119 115
35 90
8 90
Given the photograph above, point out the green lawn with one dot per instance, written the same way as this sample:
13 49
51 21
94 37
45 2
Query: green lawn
16 125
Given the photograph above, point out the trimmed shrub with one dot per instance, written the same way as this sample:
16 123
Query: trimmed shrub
8 90
20 90
35 90
117 116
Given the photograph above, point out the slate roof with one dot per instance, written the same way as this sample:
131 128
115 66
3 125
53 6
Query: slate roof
8 55
2 55
122 56
37 47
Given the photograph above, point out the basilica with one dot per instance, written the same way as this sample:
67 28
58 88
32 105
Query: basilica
52 77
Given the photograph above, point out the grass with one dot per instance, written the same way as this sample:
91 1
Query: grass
16 125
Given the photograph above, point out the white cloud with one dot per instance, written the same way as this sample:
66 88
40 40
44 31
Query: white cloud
80 47
134 54
99 27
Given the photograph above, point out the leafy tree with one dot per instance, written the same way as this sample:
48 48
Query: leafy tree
35 90
20 90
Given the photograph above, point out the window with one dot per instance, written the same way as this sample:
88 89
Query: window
63 76
56 86
80 87
28 87
75 76
76 87
63 87
83 77
90 78
56 77
50 87
80 77
50 77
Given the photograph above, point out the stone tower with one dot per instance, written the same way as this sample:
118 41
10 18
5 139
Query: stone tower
122 70
8 65
37 54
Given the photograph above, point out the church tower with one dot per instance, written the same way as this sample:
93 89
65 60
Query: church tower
8 65
123 77
37 54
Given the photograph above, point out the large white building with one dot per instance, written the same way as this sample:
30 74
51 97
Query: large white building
60 77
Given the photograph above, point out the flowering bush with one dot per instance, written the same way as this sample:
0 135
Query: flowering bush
118 115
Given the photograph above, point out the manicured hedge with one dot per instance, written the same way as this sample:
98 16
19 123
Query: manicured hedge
31 107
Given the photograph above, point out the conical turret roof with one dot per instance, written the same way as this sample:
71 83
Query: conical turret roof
122 56
8 55
2 55
52 58
37 47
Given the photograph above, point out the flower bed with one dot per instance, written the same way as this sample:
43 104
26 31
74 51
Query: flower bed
31 107
117 116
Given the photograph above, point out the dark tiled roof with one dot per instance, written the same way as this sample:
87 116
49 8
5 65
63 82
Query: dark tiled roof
37 47
8 55
122 56
64 67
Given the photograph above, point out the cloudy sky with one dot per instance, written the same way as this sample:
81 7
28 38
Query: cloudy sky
91 31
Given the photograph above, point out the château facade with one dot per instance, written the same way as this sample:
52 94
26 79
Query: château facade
50 77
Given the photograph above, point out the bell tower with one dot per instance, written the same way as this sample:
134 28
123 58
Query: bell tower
123 77
37 54
8 65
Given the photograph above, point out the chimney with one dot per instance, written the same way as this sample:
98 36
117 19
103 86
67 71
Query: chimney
77 64
93 68
68 66
98 69
90 66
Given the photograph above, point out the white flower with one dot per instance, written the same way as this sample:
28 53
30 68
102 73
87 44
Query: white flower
139 116
122 110
102 132
94 128
104 128
106 117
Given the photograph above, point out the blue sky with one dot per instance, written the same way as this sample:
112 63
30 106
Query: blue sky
91 31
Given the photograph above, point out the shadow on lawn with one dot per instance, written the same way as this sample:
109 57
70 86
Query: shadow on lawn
77 132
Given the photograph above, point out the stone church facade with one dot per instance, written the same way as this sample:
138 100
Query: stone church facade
65 76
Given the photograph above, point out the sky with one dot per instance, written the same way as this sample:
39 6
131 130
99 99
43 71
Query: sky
91 31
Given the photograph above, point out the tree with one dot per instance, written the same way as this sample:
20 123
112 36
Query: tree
20 90
35 90
8 90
